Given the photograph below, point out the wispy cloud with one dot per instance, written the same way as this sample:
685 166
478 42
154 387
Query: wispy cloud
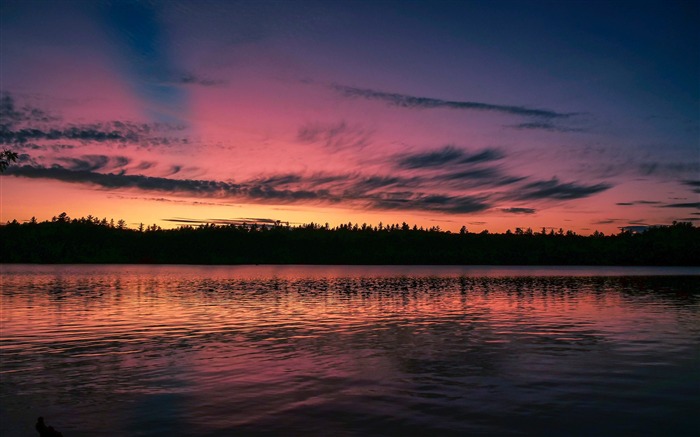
431 202
11 115
95 162
695 205
694 184
407 101
608 221
452 167
192 79
335 136
519 210
449 180
479 177
206 188
447 155
83 133
668 168
232 221
27 128
553 189
545 125
638 202
355 190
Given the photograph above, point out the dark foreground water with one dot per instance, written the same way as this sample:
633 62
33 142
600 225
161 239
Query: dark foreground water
327 351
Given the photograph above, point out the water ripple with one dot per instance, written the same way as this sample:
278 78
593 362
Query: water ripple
350 351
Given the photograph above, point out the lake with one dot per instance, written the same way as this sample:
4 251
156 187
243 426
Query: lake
349 350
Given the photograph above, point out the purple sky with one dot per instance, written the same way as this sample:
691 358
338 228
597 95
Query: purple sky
489 114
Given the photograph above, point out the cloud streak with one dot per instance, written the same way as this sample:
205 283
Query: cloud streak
447 155
668 169
638 202
553 189
366 192
356 190
335 136
27 128
414 102
545 125
519 210
193 187
693 184
11 115
191 79
233 221
695 205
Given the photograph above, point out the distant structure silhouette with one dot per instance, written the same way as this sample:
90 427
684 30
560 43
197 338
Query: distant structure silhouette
46 431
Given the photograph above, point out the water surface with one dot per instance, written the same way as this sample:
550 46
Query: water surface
336 350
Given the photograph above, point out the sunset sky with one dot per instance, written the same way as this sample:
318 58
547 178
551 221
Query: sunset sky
488 114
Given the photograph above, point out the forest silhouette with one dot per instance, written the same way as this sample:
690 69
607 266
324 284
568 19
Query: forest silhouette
93 240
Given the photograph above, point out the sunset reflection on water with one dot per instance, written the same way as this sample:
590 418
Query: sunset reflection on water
349 350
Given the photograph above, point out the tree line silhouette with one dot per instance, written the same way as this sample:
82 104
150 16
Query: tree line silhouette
93 240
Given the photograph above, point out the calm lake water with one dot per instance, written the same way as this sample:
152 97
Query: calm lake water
328 350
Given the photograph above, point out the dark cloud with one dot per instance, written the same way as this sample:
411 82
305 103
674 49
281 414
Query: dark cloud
406 101
208 188
335 136
12 115
519 210
489 176
485 155
233 221
381 192
95 162
256 220
263 192
446 155
114 132
363 184
553 189
354 189
72 133
283 179
32 129
438 158
683 205
174 169
43 147
695 185
638 202
109 180
144 165
605 221
430 202
640 222
545 126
